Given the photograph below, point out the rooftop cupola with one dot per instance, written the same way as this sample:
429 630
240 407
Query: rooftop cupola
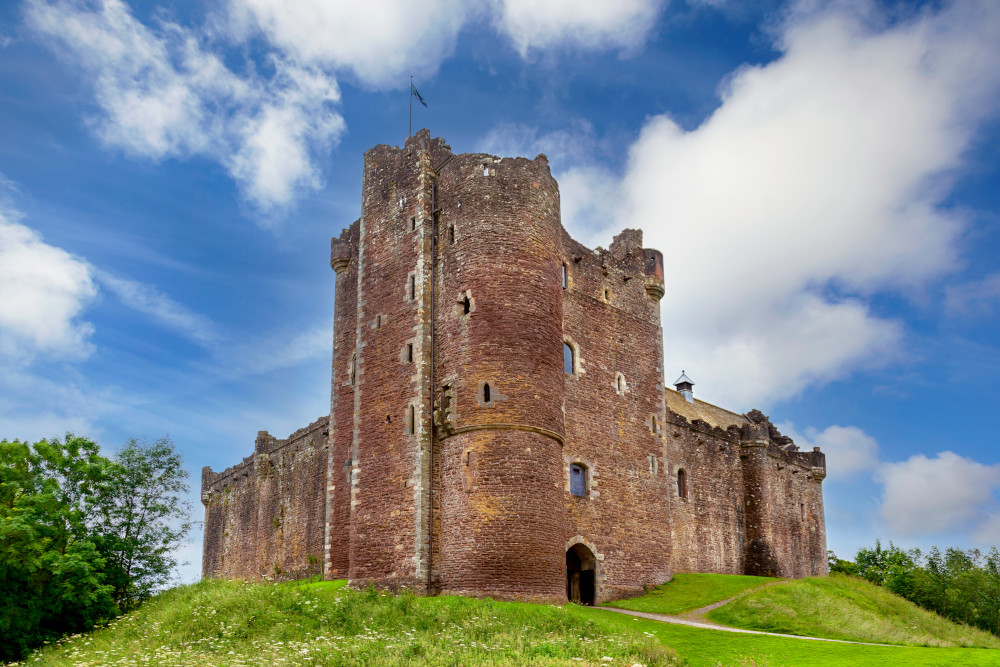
685 387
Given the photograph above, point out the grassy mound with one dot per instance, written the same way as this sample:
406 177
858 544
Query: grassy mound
686 592
230 623
839 607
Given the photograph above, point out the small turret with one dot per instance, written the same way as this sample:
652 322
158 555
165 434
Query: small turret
685 387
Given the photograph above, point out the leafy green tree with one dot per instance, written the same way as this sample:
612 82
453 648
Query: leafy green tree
51 573
891 567
141 517
840 566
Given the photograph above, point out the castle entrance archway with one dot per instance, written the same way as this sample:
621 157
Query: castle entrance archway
581 570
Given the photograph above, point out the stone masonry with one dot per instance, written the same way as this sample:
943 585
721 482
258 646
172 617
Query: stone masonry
499 423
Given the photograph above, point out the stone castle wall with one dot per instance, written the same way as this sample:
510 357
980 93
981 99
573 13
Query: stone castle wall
265 517
445 464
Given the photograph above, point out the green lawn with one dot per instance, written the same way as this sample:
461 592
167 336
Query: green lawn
714 648
842 607
691 591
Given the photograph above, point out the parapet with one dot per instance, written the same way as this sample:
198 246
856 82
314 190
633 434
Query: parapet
266 446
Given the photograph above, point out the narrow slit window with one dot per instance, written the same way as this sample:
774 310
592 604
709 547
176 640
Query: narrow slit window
569 359
578 480
466 305
682 490
411 420
378 321
354 370
565 276
621 384
451 233
607 295
413 224
409 353
655 426
486 393
413 288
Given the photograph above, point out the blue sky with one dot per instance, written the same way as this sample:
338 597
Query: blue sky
822 178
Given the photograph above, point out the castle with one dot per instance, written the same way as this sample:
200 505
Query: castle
499 423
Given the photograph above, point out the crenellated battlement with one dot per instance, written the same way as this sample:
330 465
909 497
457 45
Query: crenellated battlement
266 448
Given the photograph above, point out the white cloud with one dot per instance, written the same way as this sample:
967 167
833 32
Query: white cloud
592 24
163 93
944 494
380 42
817 182
44 290
850 452
149 300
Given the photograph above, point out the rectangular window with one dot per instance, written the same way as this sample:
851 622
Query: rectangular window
577 480
409 353
413 288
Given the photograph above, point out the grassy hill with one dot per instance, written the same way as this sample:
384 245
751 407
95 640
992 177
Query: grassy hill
840 607
223 623
228 623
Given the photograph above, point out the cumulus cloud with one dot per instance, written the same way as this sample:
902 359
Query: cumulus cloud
946 493
817 182
592 24
850 452
163 93
379 42
149 300
44 290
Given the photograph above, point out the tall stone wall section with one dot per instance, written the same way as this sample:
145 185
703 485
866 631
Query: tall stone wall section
709 525
265 517
615 413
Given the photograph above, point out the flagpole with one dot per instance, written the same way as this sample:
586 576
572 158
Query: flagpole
409 128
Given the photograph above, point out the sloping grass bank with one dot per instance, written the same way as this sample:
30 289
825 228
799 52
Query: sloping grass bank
840 607
686 592
714 648
229 623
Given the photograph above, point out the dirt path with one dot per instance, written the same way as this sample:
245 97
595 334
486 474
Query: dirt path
695 619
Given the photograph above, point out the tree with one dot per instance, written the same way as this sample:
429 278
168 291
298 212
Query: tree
51 573
141 518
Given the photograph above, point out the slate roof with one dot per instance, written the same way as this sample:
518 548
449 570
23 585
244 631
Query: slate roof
708 413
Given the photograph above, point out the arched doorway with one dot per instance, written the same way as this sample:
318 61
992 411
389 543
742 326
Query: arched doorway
581 568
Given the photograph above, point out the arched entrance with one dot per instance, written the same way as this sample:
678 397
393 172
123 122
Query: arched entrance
581 568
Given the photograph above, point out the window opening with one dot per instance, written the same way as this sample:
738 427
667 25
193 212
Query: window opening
486 393
656 426
409 353
682 490
621 383
577 480
565 276
413 287
354 370
378 321
445 398
607 294
568 359
411 420
466 305
413 224
451 233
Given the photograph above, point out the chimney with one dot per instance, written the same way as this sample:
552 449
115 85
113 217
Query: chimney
684 387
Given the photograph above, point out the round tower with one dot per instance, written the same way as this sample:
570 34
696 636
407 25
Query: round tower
499 379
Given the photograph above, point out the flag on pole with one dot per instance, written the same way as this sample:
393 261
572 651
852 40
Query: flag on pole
416 93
